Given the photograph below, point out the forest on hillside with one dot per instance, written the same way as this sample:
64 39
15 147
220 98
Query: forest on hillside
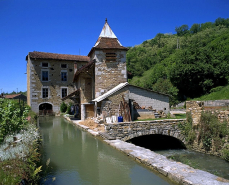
188 64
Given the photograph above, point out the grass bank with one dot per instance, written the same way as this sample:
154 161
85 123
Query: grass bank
218 93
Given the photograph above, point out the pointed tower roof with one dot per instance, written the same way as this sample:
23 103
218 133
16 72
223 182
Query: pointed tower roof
107 40
106 31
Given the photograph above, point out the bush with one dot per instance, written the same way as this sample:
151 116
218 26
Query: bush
69 108
63 107
187 129
216 89
225 153
12 118
211 129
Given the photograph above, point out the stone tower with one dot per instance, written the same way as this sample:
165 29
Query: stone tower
110 61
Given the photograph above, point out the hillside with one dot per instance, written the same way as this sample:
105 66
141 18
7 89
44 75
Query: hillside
218 93
187 64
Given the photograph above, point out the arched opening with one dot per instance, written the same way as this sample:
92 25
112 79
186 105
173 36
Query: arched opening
158 142
45 109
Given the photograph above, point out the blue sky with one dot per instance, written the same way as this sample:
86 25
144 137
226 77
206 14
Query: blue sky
73 26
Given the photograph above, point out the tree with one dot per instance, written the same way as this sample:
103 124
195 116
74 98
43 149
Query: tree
182 30
195 28
165 86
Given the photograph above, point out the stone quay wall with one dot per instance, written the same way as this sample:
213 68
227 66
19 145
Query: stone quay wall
128 130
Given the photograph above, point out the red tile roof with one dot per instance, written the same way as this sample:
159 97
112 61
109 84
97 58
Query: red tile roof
107 43
10 96
56 56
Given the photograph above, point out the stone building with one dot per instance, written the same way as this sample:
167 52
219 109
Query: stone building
49 79
97 82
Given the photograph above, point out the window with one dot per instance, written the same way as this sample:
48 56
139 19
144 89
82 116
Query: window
45 92
63 76
110 57
63 92
63 65
45 76
45 64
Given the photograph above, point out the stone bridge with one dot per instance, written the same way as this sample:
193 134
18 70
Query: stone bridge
129 130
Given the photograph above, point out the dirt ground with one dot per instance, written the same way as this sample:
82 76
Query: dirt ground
92 125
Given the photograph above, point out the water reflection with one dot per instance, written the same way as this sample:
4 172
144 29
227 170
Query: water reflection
79 158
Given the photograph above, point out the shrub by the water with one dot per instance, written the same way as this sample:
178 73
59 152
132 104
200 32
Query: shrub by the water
63 107
18 159
12 118
69 108
212 133
212 130
187 129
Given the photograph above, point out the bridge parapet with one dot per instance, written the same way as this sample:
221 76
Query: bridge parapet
128 130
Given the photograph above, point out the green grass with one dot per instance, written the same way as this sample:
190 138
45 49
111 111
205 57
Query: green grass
219 94
177 116
180 116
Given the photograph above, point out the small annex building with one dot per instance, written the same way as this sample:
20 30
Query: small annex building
15 96
98 83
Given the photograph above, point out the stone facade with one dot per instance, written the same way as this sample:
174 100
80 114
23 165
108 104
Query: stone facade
109 74
54 82
110 106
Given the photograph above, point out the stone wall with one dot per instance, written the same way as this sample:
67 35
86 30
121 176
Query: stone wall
110 106
195 108
109 74
128 130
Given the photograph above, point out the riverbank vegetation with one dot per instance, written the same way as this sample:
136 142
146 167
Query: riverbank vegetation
211 134
19 141
189 64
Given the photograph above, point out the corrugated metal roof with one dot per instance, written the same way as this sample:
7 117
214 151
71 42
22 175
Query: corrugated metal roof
110 92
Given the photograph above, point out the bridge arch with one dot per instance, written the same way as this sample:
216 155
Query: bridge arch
158 130
158 142
130 130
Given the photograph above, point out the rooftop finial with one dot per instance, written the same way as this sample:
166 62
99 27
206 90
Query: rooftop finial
106 20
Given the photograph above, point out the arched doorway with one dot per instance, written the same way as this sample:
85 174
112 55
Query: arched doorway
45 109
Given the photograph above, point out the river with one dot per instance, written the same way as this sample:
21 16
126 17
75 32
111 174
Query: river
76 157
209 163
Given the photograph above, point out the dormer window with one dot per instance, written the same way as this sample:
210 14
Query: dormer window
110 57
45 64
